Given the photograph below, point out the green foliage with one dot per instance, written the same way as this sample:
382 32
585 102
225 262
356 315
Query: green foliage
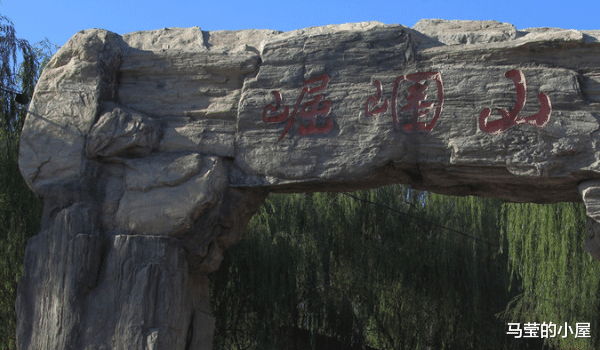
13 115
558 280
376 268
20 209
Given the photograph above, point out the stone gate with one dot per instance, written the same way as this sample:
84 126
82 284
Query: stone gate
154 149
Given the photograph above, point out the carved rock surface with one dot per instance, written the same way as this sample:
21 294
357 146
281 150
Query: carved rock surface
154 149
376 144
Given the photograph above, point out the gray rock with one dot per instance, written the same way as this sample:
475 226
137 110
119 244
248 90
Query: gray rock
82 74
150 177
545 163
466 32
62 264
164 170
147 284
590 193
207 136
122 132
120 292
188 39
165 195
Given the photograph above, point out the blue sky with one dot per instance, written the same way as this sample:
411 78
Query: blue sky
35 20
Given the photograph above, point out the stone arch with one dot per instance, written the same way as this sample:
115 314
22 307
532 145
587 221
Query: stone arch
154 149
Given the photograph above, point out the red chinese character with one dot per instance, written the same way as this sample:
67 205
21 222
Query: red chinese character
509 119
281 117
416 100
374 101
312 111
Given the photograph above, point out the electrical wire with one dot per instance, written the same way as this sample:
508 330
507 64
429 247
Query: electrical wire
20 97
421 219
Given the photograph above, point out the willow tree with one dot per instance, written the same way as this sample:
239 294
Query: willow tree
390 268
559 281
20 210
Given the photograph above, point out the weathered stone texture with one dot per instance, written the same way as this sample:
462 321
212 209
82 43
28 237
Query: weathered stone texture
154 149
121 132
61 266
558 156
72 273
466 32
81 75
164 195
154 287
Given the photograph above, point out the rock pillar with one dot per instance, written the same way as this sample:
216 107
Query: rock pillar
130 231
